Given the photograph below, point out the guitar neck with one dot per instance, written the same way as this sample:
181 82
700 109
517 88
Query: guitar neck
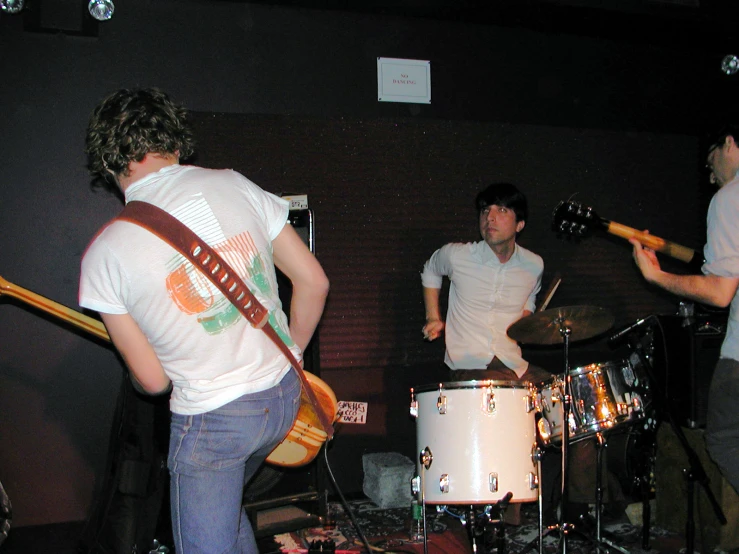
672 249
79 320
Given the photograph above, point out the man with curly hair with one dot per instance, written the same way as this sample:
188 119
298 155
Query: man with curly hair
234 395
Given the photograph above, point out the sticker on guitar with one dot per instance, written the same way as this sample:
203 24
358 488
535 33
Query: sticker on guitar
574 219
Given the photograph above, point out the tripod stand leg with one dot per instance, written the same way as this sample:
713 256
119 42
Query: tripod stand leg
541 504
599 446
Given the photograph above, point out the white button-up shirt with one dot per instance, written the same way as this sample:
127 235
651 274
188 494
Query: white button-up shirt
485 298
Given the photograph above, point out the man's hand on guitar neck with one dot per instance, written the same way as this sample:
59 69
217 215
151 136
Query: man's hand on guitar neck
714 290
646 260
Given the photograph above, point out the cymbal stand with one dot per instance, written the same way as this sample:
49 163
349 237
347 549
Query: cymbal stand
561 526
566 412
564 527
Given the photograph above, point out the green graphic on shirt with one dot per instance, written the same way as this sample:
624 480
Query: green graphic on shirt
194 294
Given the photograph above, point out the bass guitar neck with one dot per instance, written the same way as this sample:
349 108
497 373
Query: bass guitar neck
573 218
79 320
666 247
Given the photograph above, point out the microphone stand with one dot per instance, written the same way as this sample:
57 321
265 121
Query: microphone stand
694 473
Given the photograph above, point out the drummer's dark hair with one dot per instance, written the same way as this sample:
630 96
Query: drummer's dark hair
506 195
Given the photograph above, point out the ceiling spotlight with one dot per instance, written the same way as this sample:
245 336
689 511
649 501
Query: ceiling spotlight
11 6
730 64
102 10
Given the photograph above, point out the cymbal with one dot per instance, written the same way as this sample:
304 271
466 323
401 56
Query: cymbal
544 327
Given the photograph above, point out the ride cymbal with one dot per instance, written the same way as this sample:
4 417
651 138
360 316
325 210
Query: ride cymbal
547 327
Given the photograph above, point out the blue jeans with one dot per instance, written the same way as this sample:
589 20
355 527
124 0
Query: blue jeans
722 420
212 456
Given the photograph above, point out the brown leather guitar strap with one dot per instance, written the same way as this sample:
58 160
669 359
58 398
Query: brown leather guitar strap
209 262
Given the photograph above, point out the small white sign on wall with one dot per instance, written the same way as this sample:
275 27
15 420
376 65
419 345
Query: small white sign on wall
353 412
400 80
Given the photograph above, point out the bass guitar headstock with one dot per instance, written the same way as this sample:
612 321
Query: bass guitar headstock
574 219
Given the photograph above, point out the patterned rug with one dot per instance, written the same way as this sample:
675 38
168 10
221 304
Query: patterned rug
388 530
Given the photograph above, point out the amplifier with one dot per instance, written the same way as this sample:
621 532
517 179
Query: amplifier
685 354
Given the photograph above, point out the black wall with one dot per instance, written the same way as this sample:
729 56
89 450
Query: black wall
611 113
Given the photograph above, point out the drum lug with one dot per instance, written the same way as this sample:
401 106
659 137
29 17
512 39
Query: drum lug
444 483
581 410
493 482
556 396
441 404
533 481
536 454
426 457
488 402
637 403
530 403
545 405
414 404
414 407
416 484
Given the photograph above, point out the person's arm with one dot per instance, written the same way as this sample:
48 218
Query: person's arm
707 289
309 282
132 344
434 324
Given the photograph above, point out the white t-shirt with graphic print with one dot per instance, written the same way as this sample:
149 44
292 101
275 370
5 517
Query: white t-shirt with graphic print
207 348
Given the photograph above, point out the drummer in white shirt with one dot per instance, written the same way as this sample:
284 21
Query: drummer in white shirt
493 283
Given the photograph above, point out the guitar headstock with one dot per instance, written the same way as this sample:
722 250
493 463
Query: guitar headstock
572 218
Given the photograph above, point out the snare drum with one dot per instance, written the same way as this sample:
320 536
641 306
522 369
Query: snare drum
604 396
476 441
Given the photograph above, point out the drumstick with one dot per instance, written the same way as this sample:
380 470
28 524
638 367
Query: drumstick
556 280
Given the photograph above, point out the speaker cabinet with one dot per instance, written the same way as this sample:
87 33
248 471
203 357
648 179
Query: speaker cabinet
685 354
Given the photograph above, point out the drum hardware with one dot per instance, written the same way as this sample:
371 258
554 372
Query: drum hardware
417 488
476 525
441 402
562 326
547 327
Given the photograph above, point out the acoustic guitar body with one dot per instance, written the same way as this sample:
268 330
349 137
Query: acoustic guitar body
304 440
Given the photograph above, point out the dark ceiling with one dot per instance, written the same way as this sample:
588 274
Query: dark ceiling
707 24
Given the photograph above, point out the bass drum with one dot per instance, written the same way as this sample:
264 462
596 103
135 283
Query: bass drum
477 439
